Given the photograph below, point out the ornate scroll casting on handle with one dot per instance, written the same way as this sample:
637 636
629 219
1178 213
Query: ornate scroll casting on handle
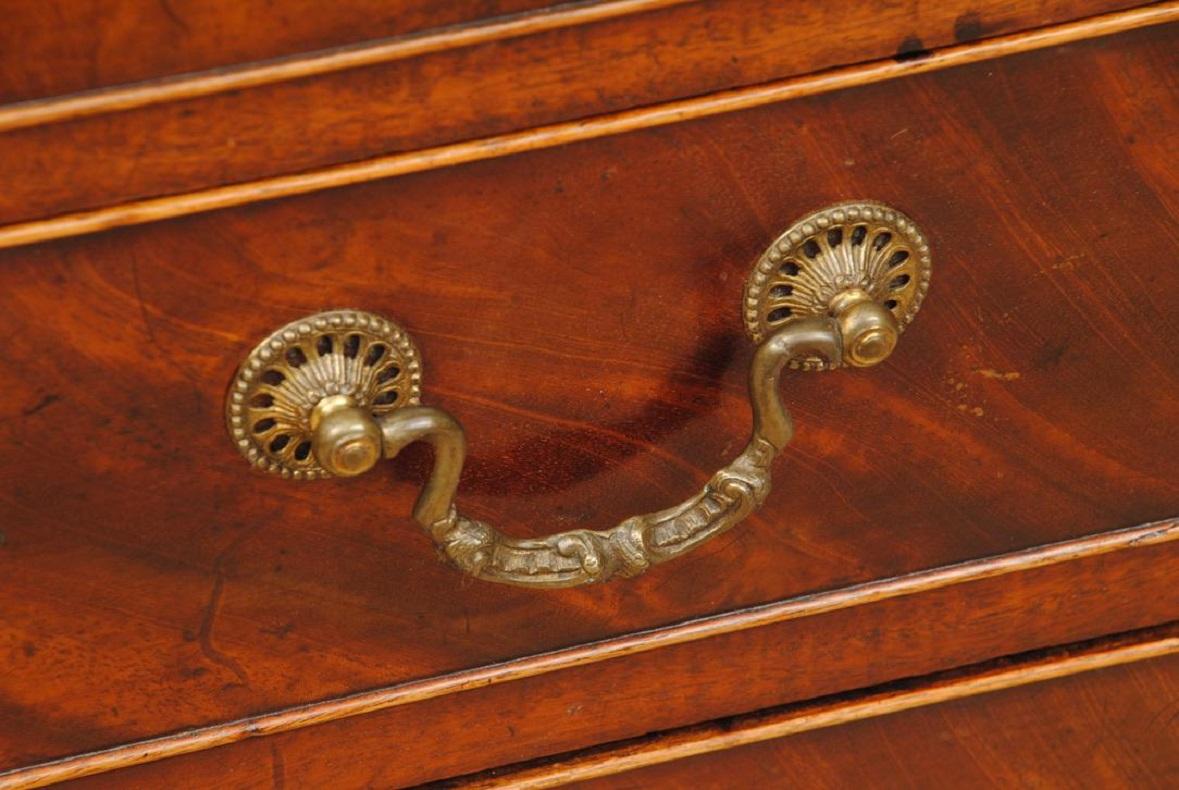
335 392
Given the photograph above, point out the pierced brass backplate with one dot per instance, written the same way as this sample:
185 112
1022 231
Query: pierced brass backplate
352 353
855 245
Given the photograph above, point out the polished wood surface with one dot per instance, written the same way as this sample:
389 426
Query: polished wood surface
600 372
1114 727
153 584
474 91
231 195
504 714
315 63
62 46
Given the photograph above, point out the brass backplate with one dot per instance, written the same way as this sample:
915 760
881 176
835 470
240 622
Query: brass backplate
340 352
858 244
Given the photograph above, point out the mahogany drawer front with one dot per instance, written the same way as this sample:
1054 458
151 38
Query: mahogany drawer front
69 47
432 87
550 707
579 309
1109 728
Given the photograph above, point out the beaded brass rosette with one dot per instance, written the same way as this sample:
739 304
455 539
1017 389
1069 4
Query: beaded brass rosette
340 352
860 244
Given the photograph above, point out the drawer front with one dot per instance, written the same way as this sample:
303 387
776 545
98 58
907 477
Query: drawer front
1110 728
579 310
258 120
621 692
66 47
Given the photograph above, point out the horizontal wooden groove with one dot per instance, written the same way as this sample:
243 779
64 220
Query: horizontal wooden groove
945 687
190 86
162 208
153 749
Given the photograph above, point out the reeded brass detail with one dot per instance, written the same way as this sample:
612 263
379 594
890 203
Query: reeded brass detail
848 248
845 318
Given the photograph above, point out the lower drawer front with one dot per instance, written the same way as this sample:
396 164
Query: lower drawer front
1113 727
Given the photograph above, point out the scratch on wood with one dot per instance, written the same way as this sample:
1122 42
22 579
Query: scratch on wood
205 633
278 767
47 400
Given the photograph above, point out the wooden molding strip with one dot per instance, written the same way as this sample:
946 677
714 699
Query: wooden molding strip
190 86
162 208
414 691
714 736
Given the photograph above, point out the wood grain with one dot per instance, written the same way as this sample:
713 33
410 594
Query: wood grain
1102 716
64 46
313 64
488 726
581 316
475 92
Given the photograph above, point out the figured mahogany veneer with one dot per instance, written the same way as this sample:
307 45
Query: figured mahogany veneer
412 99
579 309
78 45
795 650
1059 724
1004 421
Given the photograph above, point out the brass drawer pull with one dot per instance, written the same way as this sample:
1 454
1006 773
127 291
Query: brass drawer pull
335 392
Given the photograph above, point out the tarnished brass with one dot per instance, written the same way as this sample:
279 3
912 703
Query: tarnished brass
869 329
858 251
345 438
306 370
338 399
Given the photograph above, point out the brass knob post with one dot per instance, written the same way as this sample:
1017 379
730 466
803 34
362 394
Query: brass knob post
346 439
868 329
